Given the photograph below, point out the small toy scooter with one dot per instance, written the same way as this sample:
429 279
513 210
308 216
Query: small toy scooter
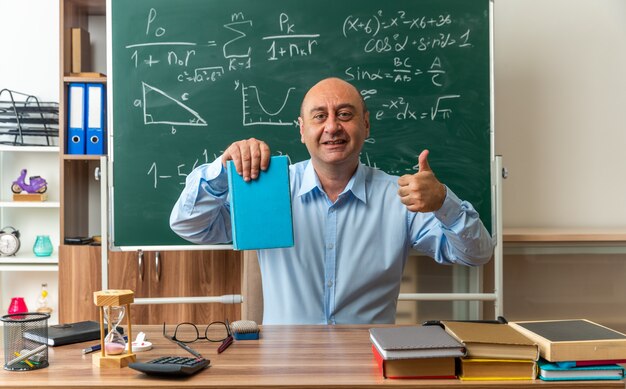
36 184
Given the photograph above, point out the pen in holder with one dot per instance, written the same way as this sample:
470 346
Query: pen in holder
20 353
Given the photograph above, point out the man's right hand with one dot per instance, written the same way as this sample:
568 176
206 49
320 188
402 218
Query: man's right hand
249 156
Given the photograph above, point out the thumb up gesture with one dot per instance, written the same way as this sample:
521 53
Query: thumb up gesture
421 192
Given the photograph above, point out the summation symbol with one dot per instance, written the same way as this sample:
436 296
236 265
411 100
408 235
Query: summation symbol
255 113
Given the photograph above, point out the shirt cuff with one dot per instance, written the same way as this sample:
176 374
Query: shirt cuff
215 177
210 177
451 209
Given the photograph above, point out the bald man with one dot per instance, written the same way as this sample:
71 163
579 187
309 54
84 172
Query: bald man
353 225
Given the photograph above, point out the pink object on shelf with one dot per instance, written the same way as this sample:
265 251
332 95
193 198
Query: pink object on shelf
17 306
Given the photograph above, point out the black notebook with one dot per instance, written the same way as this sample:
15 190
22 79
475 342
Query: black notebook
61 334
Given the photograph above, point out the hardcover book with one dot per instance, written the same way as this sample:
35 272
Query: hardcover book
415 342
554 372
420 368
477 369
61 334
573 340
260 209
492 341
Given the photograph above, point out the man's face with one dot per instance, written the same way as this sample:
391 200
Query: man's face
333 124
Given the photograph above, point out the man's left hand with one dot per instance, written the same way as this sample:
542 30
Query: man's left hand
421 192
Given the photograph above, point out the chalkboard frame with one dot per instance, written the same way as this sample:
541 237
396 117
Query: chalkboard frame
111 160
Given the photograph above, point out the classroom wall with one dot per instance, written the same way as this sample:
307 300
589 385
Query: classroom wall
29 63
29 60
560 101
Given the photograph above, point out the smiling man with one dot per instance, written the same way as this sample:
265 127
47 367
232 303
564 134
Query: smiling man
353 225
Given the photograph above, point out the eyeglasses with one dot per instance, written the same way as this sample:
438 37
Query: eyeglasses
217 331
186 332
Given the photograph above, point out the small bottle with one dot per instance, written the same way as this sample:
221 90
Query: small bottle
42 301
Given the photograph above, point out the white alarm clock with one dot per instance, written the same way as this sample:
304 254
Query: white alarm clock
9 241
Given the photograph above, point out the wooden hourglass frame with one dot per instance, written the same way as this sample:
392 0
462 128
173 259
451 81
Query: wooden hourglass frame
114 298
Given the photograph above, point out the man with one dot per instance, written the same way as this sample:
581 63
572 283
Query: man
353 225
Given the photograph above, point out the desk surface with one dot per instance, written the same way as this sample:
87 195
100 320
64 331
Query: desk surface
286 356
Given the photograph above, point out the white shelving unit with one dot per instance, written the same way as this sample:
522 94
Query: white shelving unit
22 275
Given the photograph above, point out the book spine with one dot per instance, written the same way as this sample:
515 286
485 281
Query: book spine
230 170
545 349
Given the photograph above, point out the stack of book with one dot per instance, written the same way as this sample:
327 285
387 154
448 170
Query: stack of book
576 349
494 352
426 352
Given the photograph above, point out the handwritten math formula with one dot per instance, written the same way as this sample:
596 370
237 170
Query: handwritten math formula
188 78
239 73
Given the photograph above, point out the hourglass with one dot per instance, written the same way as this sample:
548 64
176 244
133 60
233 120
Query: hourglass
114 305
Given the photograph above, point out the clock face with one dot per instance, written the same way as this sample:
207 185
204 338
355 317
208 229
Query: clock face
9 244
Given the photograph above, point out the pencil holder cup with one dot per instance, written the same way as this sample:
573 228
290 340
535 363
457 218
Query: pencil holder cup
25 341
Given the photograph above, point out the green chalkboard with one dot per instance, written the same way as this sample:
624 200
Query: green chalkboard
190 77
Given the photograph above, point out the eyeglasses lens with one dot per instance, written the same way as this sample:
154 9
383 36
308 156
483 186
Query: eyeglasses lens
216 332
186 333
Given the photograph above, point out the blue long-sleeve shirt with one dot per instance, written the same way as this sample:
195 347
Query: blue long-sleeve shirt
348 257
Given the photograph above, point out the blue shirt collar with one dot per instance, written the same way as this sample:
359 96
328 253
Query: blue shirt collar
356 185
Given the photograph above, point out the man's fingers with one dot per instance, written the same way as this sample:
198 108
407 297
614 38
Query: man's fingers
259 157
232 154
249 156
265 155
404 180
422 162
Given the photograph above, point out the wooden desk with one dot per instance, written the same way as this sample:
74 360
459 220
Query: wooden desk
286 356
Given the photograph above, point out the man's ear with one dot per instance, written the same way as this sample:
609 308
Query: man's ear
301 124
367 124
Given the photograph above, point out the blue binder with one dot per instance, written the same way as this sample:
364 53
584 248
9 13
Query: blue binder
76 119
96 139
260 209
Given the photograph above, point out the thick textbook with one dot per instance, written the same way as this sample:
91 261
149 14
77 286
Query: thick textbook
421 368
554 372
415 342
260 210
478 369
488 340
573 340
61 334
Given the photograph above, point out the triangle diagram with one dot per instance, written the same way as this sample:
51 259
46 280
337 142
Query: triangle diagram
159 108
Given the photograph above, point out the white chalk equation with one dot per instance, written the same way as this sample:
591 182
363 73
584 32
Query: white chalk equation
402 71
198 63
288 43
373 24
178 172
403 32
400 108
158 172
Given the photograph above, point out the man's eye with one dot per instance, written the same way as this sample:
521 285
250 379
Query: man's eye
319 116
344 115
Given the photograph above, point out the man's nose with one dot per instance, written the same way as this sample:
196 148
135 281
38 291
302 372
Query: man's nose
332 124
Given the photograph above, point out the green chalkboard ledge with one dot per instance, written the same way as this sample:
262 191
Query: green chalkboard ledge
565 235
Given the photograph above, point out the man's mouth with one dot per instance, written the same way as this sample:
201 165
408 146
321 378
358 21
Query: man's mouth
334 142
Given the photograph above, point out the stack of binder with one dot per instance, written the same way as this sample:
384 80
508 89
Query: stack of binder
86 132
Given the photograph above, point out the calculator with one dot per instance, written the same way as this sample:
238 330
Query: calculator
171 366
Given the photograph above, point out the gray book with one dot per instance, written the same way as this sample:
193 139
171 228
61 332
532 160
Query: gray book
415 342
60 334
